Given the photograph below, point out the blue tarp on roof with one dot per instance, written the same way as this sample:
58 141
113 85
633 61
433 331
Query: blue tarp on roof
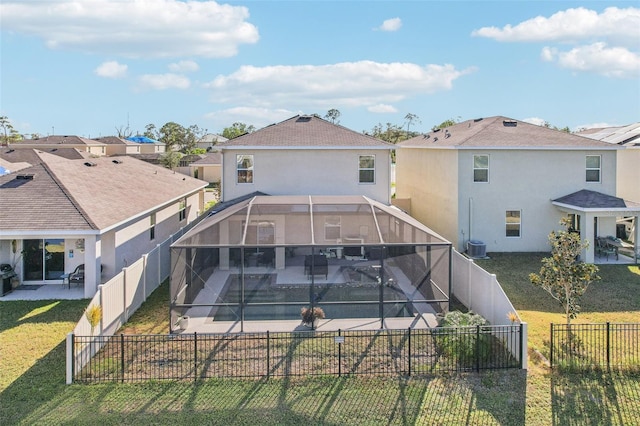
141 139
4 171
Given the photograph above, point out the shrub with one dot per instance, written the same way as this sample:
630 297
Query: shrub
458 341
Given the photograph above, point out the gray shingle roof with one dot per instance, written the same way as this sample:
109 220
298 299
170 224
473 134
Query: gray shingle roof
306 132
502 132
68 195
587 199
59 140
213 158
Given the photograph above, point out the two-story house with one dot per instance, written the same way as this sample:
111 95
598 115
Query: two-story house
504 184
306 155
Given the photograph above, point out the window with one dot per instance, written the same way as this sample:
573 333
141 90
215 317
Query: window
152 226
244 168
182 214
593 168
513 223
481 168
367 169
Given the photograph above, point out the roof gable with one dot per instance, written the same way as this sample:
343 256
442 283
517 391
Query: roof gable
304 131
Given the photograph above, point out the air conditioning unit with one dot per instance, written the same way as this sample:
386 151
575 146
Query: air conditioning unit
476 249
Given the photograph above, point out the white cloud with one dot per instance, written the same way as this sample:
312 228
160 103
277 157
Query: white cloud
597 58
135 28
164 81
393 24
535 120
382 109
111 69
184 66
621 25
257 117
347 84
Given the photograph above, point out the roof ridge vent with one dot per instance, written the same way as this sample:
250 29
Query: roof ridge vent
475 120
116 161
90 164
509 123
25 176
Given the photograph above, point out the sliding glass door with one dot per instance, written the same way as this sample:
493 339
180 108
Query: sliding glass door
43 259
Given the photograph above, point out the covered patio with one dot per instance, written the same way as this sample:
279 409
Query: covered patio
262 259
609 223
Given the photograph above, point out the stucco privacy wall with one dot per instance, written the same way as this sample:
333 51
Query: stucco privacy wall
526 180
307 172
430 178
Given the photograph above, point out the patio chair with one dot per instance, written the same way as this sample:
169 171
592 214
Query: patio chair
606 249
267 257
77 276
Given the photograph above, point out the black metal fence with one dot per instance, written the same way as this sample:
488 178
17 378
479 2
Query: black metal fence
595 346
127 358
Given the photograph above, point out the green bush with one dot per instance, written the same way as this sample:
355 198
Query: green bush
457 339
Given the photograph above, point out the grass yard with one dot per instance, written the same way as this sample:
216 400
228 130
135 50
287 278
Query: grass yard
32 389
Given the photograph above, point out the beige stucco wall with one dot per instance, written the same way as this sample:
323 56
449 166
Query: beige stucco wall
429 178
307 172
210 174
629 173
525 180
151 148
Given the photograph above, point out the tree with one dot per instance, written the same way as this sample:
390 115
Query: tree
9 133
446 123
170 159
237 129
124 132
172 135
151 132
548 125
562 275
192 135
333 115
410 119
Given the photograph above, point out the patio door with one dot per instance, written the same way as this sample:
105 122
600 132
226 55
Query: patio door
43 260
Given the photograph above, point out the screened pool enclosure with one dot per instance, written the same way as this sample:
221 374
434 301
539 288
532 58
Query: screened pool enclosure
267 257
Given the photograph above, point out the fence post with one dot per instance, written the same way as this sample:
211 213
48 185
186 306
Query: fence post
409 351
195 356
339 355
551 348
268 354
70 359
122 357
477 348
608 348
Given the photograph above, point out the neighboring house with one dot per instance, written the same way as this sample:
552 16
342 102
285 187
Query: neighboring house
210 140
45 143
119 146
103 212
504 185
208 168
306 155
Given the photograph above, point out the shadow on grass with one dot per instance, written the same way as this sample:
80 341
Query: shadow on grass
595 398
15 313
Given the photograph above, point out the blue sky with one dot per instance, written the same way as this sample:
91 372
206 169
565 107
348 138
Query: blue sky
89 67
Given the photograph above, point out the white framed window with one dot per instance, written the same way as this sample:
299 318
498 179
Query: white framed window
513 223
481 168
367 169
244 168
594 164
332 228
182 210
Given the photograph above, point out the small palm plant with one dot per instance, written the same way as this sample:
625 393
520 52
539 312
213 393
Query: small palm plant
94 315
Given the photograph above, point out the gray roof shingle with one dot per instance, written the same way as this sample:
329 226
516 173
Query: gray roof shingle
596 200
501 132
306 132
68 194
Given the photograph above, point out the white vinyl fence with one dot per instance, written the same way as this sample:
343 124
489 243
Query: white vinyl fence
481 292
121 296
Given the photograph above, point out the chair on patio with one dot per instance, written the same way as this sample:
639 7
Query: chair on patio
77 276
603 248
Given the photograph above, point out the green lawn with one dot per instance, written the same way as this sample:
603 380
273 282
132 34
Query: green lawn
32 389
